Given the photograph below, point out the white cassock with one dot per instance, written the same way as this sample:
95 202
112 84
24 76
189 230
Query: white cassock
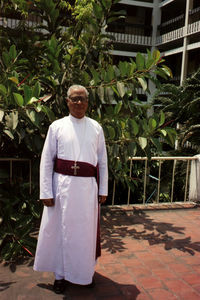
68 231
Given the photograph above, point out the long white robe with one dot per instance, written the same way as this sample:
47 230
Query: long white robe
68 231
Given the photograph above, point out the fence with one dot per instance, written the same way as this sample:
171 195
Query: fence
17 160
147 167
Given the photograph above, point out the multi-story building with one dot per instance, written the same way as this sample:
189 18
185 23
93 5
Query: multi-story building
171 26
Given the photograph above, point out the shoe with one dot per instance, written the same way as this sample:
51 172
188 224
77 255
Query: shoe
91 285
59 286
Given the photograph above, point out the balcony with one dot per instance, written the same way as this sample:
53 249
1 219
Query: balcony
178 33
125 38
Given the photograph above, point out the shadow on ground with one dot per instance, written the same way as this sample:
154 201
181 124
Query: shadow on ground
5 285
104 287
114 231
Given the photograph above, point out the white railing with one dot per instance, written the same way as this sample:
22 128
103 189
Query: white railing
14 23
178 33
193 28
131 39
170 36
147 175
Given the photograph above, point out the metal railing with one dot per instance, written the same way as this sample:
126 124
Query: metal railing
131 39
11 161
147 166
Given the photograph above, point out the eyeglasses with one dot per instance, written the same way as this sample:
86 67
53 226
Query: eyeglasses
77 99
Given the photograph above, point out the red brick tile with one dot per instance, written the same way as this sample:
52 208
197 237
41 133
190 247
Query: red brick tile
191 278
131 262
177 286
164 274
123 278
190 295
143 296
150 282
140 272
161 294
179 268
197 288
154 264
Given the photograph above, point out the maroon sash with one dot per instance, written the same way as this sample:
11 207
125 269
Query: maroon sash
82 169
72 168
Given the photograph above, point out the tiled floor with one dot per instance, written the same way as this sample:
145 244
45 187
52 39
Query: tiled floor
145 255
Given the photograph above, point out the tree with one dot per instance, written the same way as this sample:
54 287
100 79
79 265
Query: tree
38 67
181 106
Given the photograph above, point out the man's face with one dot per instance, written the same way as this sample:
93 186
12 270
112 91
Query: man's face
77 103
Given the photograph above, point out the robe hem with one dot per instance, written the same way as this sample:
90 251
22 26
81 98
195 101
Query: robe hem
80 282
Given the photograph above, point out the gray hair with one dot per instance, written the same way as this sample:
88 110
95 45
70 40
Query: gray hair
76 87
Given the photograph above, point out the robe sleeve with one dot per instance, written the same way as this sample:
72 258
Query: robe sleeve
103 168
47 164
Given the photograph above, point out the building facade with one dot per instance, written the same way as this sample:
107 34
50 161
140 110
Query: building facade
171 26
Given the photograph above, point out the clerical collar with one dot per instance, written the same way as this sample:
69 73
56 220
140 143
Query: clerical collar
73 119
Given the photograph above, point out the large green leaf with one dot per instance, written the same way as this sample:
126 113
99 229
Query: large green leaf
33 116
121 89
134 126
12 52
111 131
9 133
36 90
18 99
152 123
142 142
12 120
162 118
143 83
157 144
3 89
27 94
1 115
140 61
118 108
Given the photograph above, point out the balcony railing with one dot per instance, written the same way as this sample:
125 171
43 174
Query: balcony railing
170 36
193 28
147 198
131 39
178 33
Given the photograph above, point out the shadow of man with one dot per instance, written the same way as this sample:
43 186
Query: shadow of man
105 288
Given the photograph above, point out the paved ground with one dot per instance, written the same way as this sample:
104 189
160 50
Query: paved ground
146 255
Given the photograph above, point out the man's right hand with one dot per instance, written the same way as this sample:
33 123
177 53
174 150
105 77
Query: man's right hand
48 202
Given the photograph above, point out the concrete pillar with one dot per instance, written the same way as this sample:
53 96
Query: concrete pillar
184 65
155 21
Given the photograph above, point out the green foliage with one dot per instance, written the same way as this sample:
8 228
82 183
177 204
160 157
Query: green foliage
181 106
36 70
19 213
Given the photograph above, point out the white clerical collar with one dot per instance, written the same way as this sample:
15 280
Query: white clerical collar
73 119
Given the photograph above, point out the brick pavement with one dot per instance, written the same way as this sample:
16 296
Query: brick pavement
145 255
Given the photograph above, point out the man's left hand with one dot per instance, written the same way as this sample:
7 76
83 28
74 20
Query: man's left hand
102 199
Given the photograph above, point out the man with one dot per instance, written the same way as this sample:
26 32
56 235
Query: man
68 242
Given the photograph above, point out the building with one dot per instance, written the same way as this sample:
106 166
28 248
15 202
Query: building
171 26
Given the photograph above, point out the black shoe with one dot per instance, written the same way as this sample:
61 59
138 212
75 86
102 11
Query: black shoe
91 285
59 286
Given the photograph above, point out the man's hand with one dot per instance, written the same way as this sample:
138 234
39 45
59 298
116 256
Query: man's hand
102 199
48 202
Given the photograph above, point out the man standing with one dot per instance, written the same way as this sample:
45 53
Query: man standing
74 152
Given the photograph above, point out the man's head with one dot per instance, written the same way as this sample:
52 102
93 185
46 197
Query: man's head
77 100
